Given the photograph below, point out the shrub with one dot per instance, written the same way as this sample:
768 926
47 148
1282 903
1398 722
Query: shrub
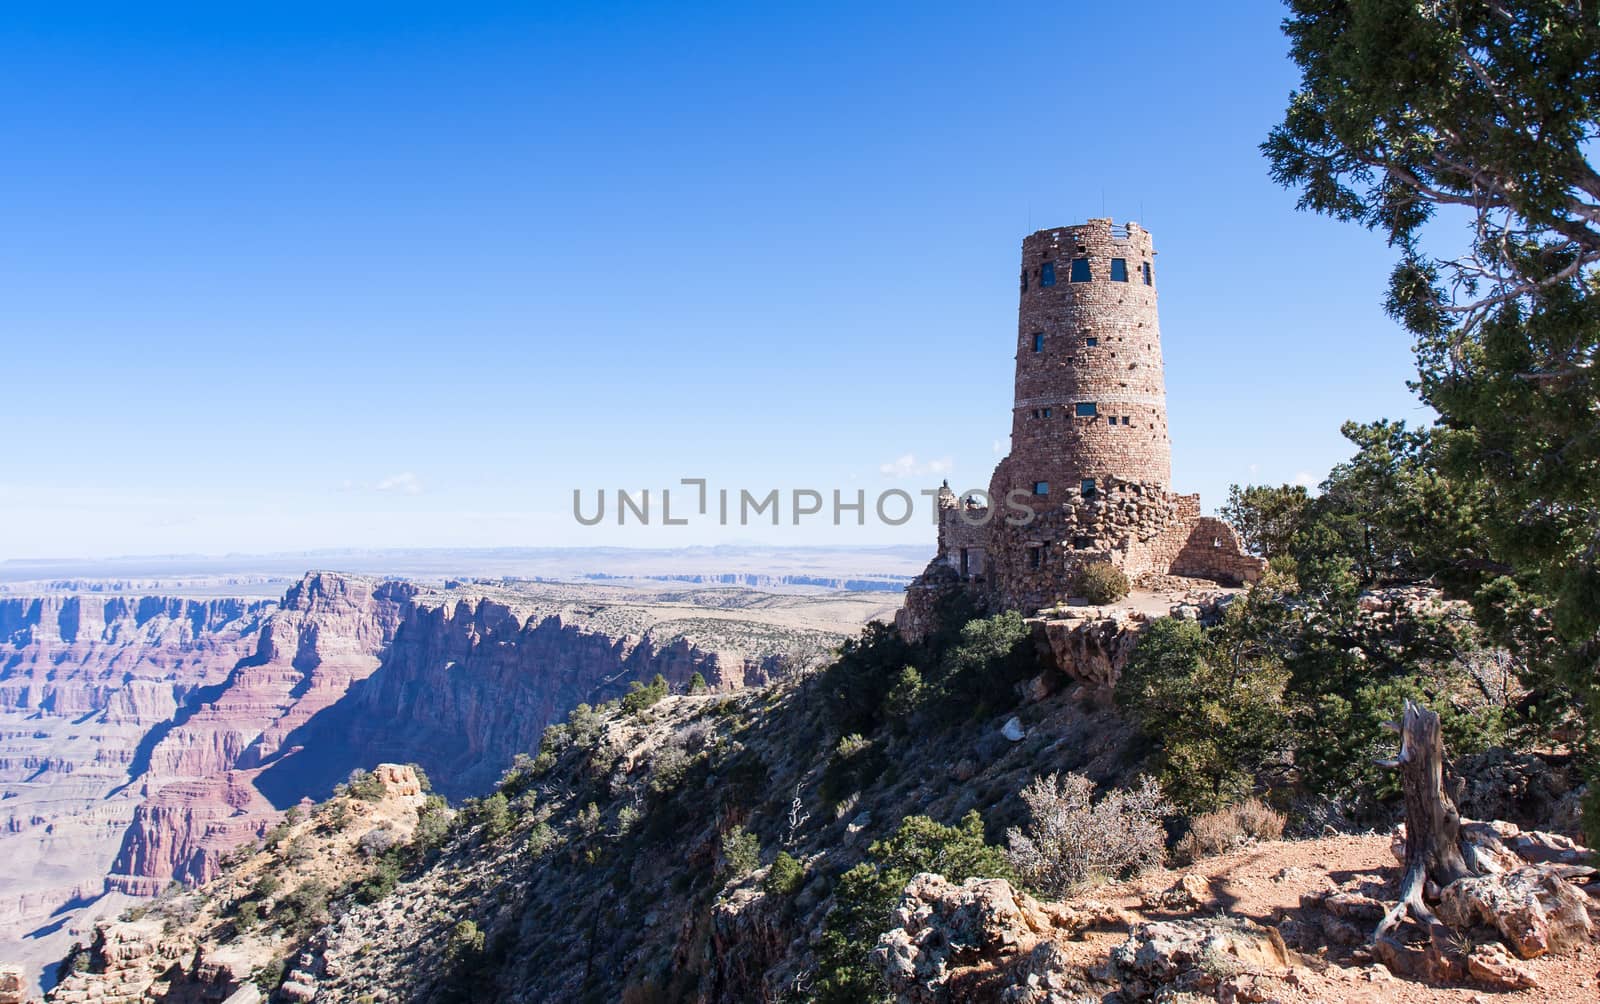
584 725
433 823
741 852
1070 842
785 876
854 686
246 914
494 815
641 696
906 696
1216 714
865 895
465 939
1223 830
265 886
627 818
979 671
540 839
588 819
299 850
304 908
335 816
380 882
667 768
365 785
377 840
697 684
1101 582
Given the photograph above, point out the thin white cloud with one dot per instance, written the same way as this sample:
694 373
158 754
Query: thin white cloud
1305 479
907 466
404 483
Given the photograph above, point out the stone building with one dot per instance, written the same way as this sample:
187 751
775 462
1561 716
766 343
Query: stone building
1089 475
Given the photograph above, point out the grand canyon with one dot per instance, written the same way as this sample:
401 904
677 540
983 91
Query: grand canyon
145 737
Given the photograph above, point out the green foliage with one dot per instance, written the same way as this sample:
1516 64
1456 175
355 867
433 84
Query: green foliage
784 876
379 882
465 939
905 697
1489 112
641 696
1101 582
697 684
1266 517
365 785
494 815
855 684
856 762
1215 713
668 767
303 909
866 894
540 839
246 915
741 852
980 669
433 823
265 886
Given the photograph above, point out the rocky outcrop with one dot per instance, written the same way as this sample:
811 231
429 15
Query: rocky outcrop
948 940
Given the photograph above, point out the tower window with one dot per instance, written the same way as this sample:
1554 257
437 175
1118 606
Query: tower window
1087 487
1024 280
1119 270
1091 341
1083 543
1038 341
1047 274
1046 412
1041 488
1085 409
1080 270
1035 557
1146 269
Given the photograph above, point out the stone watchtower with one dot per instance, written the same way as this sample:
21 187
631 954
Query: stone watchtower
1091 398
1090 457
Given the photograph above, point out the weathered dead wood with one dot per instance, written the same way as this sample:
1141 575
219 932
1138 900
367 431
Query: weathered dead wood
1433 848
1479 877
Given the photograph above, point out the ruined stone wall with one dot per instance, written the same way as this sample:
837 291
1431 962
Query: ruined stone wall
1213 551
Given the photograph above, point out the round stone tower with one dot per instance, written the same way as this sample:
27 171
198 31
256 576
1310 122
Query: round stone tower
1091 400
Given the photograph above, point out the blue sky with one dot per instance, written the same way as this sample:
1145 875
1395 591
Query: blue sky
275 278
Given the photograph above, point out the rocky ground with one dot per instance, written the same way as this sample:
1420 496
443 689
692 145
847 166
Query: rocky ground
1282 921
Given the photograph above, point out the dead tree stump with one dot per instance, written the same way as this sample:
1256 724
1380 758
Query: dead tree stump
1433 851
1479 882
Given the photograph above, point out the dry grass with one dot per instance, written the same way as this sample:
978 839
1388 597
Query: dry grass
1221 831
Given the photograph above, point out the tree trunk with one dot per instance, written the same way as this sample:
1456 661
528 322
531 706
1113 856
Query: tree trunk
1433 850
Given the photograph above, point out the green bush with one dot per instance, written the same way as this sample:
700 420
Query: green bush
905 697
865 895
465 939
697 684
365 785
741 852
784 876
641 696
303 909
1101 582
1216 715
